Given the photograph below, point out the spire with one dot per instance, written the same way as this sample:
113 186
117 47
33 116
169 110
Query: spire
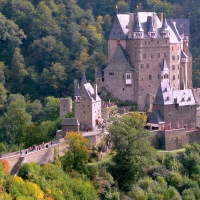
77 96
84 80
137 27
164 66
77 90
164 72
165 30
138 32
151 28
164 25
150 24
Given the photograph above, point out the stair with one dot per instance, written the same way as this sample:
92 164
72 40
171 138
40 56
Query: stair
15 169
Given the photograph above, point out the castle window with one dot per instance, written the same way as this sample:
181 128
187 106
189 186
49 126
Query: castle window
103 79
172 48
165 75
178 76
158 76
111 73
99 79
128 76
165 55
173 77
150 77
147 66
152 55
158 55
83 111
122 76
157 42
190 107
173 57
142 79
88 106
173 67
144 55
142 65
123 89
177 57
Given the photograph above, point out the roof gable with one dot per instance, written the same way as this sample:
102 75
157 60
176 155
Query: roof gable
119 61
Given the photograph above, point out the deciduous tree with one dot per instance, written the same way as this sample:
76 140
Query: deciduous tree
76 155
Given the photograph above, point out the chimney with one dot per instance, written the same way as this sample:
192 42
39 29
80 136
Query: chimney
95 92
130 25
155 22
161 17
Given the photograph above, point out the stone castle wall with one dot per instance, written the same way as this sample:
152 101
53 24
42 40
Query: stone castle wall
173 139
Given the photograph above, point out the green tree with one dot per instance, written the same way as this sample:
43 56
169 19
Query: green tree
133 151
77 153
14 121
51 108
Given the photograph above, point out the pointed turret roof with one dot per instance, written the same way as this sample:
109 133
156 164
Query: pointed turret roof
137 27
84 80
77 90
164 25
164 65
150 24
156 118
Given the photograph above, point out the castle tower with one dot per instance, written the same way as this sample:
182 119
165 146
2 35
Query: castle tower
65 106
87 105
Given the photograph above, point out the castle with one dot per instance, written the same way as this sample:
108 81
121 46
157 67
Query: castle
137 45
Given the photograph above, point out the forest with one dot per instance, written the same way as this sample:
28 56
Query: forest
44 45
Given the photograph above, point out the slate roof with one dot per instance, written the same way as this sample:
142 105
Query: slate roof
100 72
182 25
164 65
77 90
156 118
183 54
84 80
166 96
90 91
150 25
70 122
120 29
119 61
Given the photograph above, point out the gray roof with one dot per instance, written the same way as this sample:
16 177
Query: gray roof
156 118
119 61
150 25
77 90
120 29
164 25
166 96
164 65
183 54
90 91
182 25
100 72
70 122
137 27
84 80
